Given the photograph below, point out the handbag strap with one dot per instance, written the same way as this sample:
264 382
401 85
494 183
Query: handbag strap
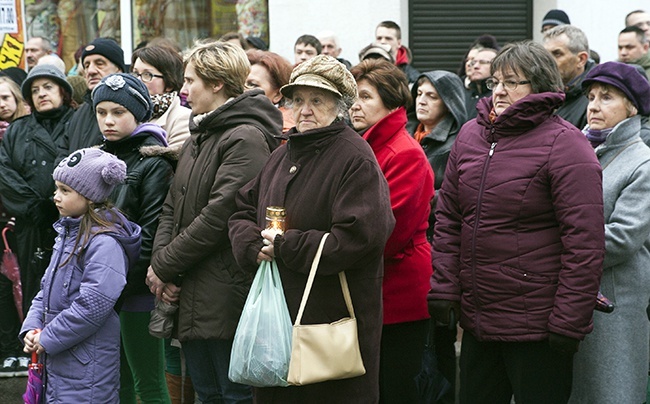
310 280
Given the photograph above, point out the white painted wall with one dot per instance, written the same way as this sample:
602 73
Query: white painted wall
601 20
354 22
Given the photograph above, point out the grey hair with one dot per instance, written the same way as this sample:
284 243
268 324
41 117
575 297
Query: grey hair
577 39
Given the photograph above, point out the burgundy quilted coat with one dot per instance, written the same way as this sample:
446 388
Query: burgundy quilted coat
519 238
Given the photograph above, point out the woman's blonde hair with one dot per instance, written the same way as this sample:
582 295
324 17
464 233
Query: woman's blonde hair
220 62
21 106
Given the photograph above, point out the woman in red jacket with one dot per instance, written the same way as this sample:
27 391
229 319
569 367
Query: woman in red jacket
379 115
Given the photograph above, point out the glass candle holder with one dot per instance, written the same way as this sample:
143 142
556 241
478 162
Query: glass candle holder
275 218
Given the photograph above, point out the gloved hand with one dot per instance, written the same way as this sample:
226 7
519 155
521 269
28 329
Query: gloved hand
440 311
563 344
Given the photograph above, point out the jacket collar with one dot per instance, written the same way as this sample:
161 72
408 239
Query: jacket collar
624 132
381 132
520 117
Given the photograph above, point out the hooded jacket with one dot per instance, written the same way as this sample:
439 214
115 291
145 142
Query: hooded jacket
437 143
149 169
519 237
226 149
74 310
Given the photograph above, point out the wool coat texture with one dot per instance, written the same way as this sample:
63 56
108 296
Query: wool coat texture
407 257
328 180
519 237
226 149
74 309
612 363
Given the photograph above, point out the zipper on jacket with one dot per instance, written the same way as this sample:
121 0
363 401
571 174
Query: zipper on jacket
55 268
479 203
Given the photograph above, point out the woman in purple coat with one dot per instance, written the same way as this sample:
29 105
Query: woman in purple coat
519 237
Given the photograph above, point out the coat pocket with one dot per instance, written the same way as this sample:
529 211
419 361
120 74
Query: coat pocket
70 364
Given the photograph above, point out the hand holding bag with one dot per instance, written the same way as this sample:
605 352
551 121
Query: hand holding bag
323 352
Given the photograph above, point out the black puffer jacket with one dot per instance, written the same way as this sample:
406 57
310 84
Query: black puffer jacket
149 173
27 155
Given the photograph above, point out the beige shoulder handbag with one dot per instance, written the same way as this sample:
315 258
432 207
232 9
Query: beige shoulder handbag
321 352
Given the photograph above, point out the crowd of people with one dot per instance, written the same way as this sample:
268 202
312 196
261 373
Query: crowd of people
502 197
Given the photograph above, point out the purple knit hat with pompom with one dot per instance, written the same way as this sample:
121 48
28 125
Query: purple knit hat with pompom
91 172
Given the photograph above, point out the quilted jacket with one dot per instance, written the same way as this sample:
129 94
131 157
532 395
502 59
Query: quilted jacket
519 237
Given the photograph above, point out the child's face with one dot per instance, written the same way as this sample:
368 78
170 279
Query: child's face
115 121
68 201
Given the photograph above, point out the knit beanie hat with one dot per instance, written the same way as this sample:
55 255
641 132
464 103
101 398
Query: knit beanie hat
44 72
126 90
91 172
107 48
555 18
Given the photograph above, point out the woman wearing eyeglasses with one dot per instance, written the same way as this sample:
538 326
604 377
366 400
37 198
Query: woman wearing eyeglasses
519 238
161 70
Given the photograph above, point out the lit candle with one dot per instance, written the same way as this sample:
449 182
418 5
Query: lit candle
275 218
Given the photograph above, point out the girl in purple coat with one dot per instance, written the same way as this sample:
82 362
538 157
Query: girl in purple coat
72 320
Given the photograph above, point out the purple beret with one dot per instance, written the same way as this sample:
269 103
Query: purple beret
624 77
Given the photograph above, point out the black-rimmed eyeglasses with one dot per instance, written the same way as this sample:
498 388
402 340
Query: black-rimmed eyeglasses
511 85
146 76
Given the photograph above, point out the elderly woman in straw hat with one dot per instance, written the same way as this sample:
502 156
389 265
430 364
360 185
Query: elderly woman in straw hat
328 180
612 363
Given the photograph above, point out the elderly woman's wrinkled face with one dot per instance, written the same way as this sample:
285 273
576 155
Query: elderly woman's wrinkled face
313 108
607 107
509 89
369 107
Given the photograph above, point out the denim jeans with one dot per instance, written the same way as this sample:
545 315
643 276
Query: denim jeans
207 364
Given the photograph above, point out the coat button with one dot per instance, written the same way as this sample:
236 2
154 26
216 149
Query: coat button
293 170
183 190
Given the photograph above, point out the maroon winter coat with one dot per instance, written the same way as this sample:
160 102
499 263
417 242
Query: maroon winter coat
519 238
407 257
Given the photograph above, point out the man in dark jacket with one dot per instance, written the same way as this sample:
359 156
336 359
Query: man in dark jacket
388 32
480 72
569 47
101 57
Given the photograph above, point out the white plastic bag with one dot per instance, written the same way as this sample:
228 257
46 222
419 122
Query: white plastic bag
261 349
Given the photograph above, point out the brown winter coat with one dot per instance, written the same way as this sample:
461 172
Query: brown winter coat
226 149
329 181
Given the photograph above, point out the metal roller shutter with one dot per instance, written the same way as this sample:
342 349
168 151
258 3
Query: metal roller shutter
441 31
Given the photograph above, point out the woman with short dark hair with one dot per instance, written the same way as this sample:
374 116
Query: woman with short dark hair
161 70
379 115
519 237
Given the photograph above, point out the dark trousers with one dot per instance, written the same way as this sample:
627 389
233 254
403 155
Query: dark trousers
9 323
207 363
402 346
446 354
491 372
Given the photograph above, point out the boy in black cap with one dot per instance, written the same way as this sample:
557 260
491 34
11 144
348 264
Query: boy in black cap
101 57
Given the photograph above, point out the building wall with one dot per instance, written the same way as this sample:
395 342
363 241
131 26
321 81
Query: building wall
601 20
354 22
